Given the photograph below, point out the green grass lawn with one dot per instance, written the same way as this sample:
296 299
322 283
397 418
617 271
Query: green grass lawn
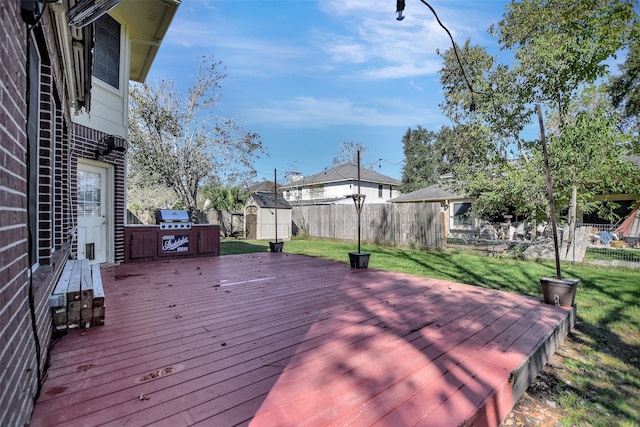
599 382
631 255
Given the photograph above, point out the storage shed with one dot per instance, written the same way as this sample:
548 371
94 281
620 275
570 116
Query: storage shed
259 217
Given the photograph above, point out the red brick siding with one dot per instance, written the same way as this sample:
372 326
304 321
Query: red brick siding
61 144
59 217
120 210
45 218
18 375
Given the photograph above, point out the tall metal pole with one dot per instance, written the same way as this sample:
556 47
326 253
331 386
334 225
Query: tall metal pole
360 206
275 197
552 207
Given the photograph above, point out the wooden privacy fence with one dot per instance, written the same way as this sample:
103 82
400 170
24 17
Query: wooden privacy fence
416 225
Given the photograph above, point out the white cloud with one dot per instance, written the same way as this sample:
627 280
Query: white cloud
357 37
403 70
326 112
387 48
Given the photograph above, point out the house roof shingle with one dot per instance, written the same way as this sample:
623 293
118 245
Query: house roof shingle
262 186
346 172
432 193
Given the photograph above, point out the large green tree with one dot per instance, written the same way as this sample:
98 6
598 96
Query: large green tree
481 93
625 90
224 198
428 156
177 140
422 161
558 46
588 159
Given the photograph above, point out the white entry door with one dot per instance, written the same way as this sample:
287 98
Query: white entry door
92 213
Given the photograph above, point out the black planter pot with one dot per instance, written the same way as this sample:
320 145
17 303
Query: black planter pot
276 246
559 291
359 259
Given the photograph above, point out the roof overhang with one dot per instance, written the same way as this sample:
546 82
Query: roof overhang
148 22
75 47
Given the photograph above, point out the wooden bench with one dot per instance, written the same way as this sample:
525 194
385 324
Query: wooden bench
98 296
78 298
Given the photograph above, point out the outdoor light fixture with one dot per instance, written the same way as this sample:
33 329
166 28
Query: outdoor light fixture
110 143
31 11
85 12
399 9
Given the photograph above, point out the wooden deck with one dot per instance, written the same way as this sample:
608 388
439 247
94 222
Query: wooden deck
279 339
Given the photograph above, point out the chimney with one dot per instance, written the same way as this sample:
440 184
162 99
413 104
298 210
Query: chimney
296 176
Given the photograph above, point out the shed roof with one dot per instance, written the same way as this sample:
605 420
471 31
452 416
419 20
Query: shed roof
346 172
267 200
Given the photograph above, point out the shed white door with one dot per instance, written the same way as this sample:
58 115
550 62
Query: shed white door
92 213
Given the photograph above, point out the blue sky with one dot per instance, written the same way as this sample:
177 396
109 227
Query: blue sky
308 75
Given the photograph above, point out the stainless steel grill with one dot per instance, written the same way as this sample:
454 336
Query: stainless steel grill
173 219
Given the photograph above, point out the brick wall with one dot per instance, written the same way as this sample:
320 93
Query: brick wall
25 317
62 191
45 166
18 375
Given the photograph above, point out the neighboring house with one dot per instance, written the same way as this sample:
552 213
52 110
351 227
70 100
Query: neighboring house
260 217
338 184
454 207
64 91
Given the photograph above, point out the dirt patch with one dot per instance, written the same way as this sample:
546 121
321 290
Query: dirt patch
538 406
594 373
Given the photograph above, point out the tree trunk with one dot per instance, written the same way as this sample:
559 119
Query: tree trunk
573 212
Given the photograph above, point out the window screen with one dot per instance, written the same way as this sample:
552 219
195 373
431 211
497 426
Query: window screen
106 62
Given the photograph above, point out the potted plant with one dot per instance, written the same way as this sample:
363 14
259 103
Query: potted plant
359 259
275 246
556 290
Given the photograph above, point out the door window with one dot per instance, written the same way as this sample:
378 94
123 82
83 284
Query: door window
89 185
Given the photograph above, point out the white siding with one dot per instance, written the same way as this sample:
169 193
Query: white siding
340 190
266 227
109 105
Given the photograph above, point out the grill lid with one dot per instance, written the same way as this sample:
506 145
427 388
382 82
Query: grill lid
171 215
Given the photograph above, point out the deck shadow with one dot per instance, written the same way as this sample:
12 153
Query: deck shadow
292 340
